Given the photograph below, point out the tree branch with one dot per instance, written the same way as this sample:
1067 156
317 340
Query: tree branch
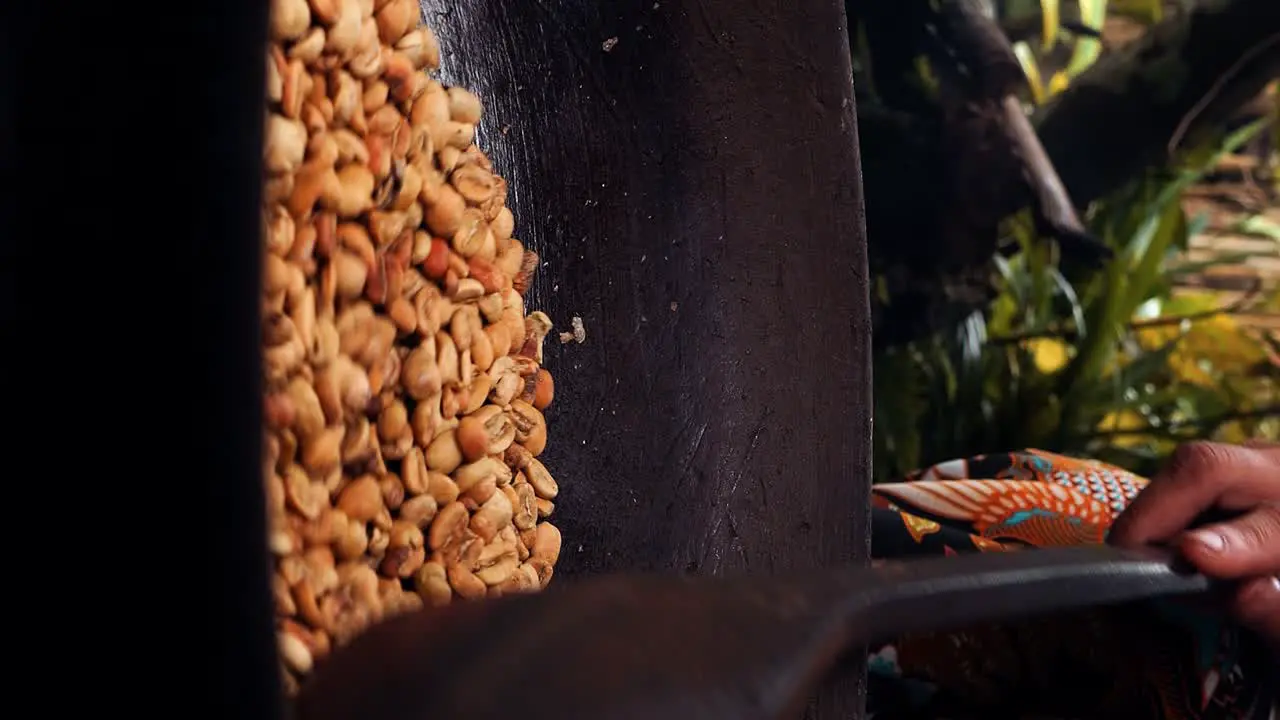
1187 74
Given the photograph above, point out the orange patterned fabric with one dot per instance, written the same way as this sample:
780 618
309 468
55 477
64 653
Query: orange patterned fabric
1151 660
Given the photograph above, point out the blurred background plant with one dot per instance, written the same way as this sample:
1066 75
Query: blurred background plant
1121 363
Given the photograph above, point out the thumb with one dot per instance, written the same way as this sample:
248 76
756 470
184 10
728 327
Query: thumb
1248 546
1257 605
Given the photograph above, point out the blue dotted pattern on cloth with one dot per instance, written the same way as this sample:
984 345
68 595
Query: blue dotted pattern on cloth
1022 516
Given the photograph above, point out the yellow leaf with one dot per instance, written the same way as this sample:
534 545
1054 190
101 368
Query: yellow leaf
1119 422
1058 83
1147 11
1156 336
1049 17
1211 348
1190 302
1233 433
1049 354
1220 343
927 76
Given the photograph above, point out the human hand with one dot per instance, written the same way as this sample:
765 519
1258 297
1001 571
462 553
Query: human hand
1204 477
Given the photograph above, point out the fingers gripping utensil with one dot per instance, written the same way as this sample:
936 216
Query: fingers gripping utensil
628 647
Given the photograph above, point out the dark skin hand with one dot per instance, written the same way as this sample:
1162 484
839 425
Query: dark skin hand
1239 482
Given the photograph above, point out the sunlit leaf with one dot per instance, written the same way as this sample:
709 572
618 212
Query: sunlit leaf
1149 256
925 74
882 290
1031 68
1234 141
1076 308
1186 268
1147 11
1192 302
1050 354
1219 342
1199 223
1125 424
1059 82
1093 14
971 338
1259 225
1145 367
1049 15
1149 309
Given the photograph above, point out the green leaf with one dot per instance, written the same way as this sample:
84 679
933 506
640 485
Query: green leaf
1151 253
971 338
1093 13
1198 401
1146 11
1186 401
957 392
898 405
1189 268
1140 371
1199 223
1259 225
1240 137
1147 226
1030 68
1073 300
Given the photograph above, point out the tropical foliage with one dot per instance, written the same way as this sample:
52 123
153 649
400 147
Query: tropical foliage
1113 364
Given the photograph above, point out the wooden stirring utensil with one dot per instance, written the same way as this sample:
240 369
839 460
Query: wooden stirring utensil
674 648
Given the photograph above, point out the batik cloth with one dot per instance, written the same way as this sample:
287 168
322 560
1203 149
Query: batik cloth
1158 659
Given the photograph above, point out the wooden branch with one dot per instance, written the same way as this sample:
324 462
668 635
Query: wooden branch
1188 74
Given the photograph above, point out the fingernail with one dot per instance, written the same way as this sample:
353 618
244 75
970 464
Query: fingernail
1209 540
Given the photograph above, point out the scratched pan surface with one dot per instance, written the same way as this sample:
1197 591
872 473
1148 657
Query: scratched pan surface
695 195
632 648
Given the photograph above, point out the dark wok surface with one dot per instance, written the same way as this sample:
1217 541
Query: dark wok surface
630 647
694 193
